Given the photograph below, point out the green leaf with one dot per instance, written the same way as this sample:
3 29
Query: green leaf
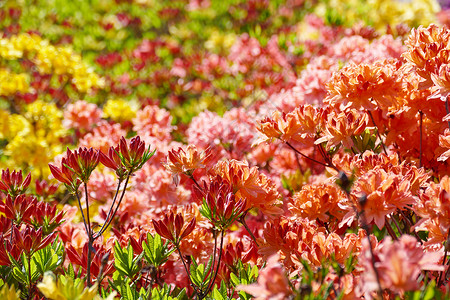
234 279
155 252
166 293
125 262
216 294
49 258
194 275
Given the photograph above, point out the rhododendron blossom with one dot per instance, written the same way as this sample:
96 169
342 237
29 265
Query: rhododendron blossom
398 263
81 115
225 150
272 282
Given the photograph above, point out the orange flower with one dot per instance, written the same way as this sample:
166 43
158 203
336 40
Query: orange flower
325 247
428 49
386 192
153 121
291 239
340 127
441 80
360 165
302 240
249 184
186 162
301 125
444 142
433 206
317 201
365 86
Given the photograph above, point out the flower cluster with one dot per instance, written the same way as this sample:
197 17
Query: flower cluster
234 150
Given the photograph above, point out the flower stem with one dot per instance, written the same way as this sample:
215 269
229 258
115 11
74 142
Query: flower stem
108 222
389 229
397 226
242 221
89 260
411 225
447 109
90 238
421 137
310 158
378 132
111 208
362 219
187 270
195 181
213 279
29 277
444 259
82 213
372 255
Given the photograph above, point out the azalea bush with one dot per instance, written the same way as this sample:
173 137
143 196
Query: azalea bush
224 149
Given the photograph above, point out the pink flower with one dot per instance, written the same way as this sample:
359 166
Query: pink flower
272 282
81 115
198 4
153 121
101 185
157 185
398 263
103 137
230 136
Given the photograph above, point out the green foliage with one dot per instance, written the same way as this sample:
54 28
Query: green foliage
128 291
221 293
295 180
155 252
201 275
308 277
427 292
165 293
70 272
366 141
43 260
125 262
244 275
49 258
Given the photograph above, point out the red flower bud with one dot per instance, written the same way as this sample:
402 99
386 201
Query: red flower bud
172 227
44 189
135 156
112 161
219 205
13 183
19 209
31 240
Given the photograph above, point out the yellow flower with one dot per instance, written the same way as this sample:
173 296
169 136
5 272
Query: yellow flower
11 83
412 12
119 110
68 289
4 124
218 40
9 293
33 138
46 119
16 124
380 13
61 60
